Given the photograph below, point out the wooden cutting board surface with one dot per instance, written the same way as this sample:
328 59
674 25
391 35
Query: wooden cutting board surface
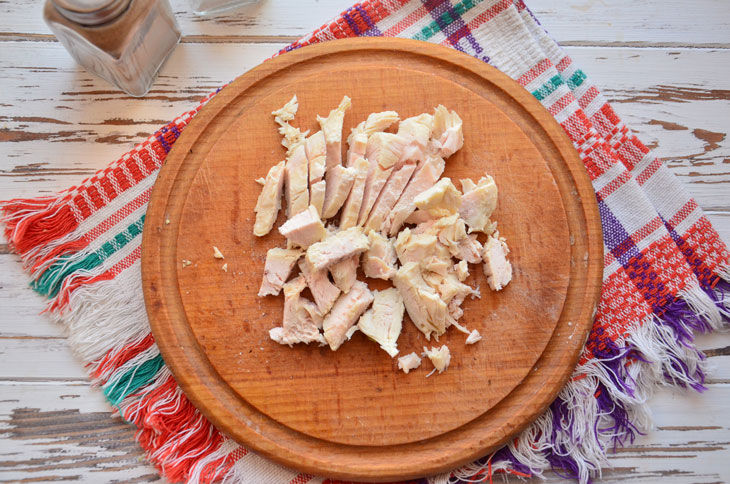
351 413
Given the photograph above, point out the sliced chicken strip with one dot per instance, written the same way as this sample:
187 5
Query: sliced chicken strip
296 179
384 151
323 291
447 137
478 203
337 247
496 266
304 228
427 173
344 273
351 209
383 323
301 321
316 150
269 201
345 313
332 129
339 184
334 174
279 264
424 305
388 197
379 260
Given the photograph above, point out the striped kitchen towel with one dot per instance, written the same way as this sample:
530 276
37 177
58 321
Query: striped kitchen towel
666 272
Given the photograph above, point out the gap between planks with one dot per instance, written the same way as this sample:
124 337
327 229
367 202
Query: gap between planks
273 39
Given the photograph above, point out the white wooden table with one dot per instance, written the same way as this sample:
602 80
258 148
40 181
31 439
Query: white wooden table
664 63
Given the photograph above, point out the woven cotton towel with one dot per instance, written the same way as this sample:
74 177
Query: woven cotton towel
666 270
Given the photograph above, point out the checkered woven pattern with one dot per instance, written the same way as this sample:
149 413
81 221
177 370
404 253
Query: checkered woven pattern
665 273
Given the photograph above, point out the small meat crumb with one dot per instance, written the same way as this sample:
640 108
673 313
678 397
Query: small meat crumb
167 221
186 262
217 253
261 181
409 362
473 337
440 357
225 268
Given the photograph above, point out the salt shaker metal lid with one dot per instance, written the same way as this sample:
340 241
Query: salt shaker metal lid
91 12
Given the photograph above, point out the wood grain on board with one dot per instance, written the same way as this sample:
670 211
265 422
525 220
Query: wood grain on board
336 413
667 64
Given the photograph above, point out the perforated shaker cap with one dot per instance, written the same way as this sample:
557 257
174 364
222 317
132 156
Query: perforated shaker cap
91 12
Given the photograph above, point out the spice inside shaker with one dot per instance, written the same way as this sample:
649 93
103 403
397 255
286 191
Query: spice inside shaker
122 41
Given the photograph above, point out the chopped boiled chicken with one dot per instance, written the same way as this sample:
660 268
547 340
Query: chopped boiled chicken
440 357
427 173
279 264
316 151
301 321
217 253
424 305
462 270
304 228
496 266
332 129
388 197
384 321
358 138
292 136
419 248
295 186
447 136
337 247
287 112
451 232
478 203
323 291
441 200
351 209
345 313
335 177
416 131
384 152
409 362
269 202
344 273
473 337
339 183
379 260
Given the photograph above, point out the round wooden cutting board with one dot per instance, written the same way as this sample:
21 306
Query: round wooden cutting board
351 413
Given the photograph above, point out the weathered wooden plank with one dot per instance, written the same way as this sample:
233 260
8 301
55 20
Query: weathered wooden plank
592 22
65 430
56 138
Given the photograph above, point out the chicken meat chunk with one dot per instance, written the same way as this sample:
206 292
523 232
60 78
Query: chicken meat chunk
440 357
426 174
441 200
345 313
301 322
351 209
277 268
388 197
316 150
383 323
379 260
344 273
424 305
295 182
337 247
496 266
409 362
269 201
304 228
358 139
383 153
477 204
447 137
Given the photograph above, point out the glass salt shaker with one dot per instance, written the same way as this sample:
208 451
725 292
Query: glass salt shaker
122 41
213 7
